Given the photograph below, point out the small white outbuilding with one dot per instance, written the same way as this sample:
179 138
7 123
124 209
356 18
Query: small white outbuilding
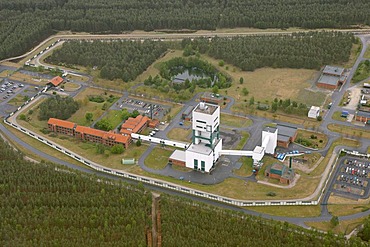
314 112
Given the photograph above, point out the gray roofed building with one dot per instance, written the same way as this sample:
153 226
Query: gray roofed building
331 70
286 135
187 113
331 77
328 79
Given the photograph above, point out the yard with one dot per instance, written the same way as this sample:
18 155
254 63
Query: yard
311 139
18 76
158 158
88 106
6 73
247 167
18 100
179 134
243 140
362 72
71 87
337 116
344 226
114 117
349 131
235 121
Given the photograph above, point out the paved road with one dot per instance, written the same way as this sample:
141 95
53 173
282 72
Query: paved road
255 131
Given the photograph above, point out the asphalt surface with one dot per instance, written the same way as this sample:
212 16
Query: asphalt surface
255 139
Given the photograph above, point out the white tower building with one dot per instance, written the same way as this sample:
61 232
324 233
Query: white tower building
203 152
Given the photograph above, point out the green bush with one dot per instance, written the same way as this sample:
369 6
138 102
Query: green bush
117 149
96 98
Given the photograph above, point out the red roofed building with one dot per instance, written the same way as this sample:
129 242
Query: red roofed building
61 126
87 133
153 123
56 81
134 125
103 137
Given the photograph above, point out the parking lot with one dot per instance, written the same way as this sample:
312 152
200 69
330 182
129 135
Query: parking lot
352 178
9 88
143 107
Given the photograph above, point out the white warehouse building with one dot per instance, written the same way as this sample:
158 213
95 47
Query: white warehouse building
206 145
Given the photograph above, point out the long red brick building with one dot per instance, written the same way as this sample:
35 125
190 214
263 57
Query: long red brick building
87 133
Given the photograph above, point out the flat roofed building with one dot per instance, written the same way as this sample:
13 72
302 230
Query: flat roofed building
281 172
187 114
286 135
314 112
363 116
178 158
331 78
206 144
211 98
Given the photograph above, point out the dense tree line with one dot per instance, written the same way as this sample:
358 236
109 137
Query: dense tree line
300 50
23 23
117 59
48 205
187 224
57 107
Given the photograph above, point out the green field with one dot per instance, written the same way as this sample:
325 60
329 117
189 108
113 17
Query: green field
158 158
235 121
362 72
114 117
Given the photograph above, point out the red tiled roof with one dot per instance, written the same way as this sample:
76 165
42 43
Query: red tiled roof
103 134
61 123
56 81
134 124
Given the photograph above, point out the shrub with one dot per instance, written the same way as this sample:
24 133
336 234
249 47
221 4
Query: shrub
96 98
271 193
319 118
117 149
23 117
138 143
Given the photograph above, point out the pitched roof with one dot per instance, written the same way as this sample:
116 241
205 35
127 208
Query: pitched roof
61 123
56 81
103 134
134 124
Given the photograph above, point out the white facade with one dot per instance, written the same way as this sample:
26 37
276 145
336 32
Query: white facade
203 153
314 112
271 134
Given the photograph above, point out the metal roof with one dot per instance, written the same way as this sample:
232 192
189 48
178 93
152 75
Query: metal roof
329 79
178 155
286 130
338 71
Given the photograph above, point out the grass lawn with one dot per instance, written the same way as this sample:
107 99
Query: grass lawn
243 140
17 100
244 108
158 158
179 134
362 72
345 226
246 169
71 87
175 109
6 73
289 211
349 131
114 117
337 116
355 51
340 141
319 140
77 78
235 121
367 53
278 83
29 79
40 146
347 209
89 106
